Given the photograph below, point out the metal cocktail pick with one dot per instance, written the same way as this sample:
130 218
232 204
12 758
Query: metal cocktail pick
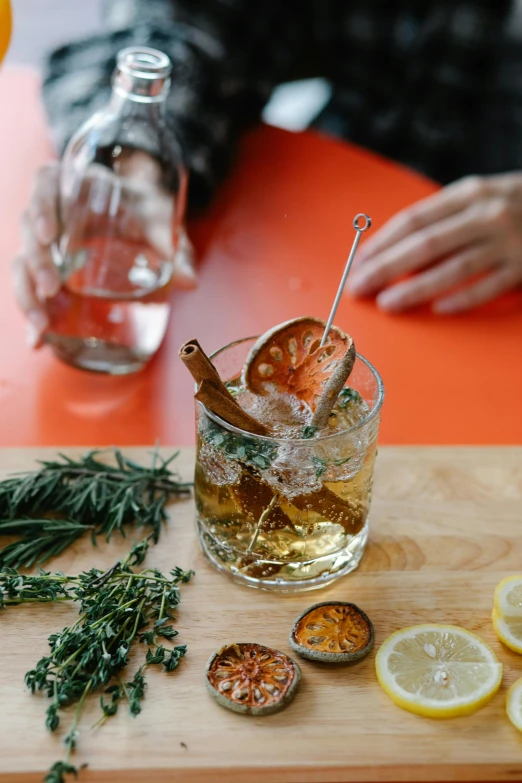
358 231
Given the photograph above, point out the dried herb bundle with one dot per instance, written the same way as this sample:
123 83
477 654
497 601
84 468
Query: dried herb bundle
80 495
117 607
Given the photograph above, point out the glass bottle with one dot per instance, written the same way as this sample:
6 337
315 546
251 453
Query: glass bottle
121 206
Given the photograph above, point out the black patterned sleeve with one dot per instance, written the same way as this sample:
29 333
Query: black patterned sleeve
226 57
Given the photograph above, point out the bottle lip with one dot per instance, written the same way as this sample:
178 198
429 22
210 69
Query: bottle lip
144 62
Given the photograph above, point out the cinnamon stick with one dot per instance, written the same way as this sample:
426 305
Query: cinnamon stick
350 514
253 497
213 393
333 386
227 408
199 365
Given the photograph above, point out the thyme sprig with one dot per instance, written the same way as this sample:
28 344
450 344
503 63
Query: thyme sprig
249 451
117 607
348 395
81 495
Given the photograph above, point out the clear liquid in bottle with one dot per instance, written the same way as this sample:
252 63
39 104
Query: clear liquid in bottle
121 205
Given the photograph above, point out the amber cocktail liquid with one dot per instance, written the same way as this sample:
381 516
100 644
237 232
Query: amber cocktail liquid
287 512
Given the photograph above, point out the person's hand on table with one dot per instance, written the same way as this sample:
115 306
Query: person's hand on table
466 236
35 276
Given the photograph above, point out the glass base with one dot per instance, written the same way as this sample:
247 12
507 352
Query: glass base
322 571
96 355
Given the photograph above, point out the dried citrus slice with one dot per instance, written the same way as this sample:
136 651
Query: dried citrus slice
508 597
439 671
332 632
288 358
509 631
514 704
252 679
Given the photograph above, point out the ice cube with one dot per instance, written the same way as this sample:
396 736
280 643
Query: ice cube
219 470
341 456
282 413
294 471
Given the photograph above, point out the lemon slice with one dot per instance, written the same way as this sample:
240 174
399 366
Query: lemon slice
514 704
509 631
438 670
508 597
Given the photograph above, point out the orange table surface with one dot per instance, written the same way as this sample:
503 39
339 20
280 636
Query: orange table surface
272 247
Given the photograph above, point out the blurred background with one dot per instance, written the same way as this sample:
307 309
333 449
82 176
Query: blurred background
41 25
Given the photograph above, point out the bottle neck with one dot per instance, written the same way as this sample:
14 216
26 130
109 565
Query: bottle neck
125 105
141 82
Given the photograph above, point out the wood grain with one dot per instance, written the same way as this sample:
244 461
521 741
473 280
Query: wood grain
446 527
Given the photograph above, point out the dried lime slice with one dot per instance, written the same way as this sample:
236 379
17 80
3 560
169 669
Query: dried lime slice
252 679
289 358
332 632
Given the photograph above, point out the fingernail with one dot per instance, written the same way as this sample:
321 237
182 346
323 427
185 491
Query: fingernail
186 266
185 270
37 323
47 283
32 336
390 300
38 319
43 230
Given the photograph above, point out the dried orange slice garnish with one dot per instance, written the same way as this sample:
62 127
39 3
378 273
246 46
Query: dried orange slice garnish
252 679
333 632
288 358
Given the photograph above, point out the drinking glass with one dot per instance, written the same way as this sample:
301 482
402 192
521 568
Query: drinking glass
285 514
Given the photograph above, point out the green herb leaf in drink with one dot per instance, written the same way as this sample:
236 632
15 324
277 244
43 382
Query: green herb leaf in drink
347 396
249 451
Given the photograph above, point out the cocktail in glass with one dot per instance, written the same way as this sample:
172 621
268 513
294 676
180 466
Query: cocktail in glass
286 512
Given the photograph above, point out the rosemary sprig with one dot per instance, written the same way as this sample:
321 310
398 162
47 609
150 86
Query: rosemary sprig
80 495
117 607
41 540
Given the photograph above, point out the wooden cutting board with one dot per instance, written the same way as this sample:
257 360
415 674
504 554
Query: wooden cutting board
446 527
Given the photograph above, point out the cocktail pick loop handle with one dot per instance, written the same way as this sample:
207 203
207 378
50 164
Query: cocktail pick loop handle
359 229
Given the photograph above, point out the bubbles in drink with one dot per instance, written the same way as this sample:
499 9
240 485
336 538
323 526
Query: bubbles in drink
294 471
297 468
282 413
222 472
286 416
291 509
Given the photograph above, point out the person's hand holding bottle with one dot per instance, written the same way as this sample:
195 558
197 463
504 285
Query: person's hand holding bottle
36 277
103 235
